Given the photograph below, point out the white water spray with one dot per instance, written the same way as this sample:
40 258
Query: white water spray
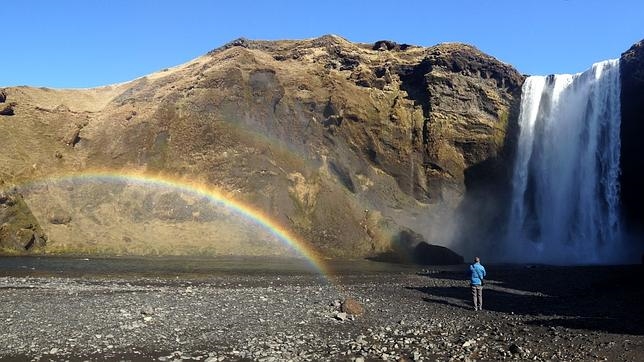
565 185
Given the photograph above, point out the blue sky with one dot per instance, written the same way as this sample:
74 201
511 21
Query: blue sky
86 43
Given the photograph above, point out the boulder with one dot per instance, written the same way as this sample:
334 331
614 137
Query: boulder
351 306
59 217
427 254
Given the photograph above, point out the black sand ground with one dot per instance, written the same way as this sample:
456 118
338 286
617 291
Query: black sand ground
268 314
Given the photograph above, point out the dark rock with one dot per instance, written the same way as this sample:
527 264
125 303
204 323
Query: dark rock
7 110
384 45
239 42
343 175
632 128
410 247
73 138
427 254
515 349
3 96
27 239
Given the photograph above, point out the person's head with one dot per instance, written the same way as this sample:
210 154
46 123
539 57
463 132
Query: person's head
476 259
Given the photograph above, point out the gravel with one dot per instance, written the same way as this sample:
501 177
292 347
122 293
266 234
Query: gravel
411 316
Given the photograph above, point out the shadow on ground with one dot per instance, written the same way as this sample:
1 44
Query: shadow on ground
600 298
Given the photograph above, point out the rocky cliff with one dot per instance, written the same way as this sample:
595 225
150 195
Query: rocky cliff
353 147
632 164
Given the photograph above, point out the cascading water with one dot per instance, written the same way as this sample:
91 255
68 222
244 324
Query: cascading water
565 185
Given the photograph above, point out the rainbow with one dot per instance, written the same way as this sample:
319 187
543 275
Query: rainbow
201 189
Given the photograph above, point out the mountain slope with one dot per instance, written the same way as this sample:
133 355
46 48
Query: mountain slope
355 148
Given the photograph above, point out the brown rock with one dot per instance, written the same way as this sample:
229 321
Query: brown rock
351 306
59 217
20 230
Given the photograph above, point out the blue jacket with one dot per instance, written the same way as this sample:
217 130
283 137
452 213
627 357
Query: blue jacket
477 274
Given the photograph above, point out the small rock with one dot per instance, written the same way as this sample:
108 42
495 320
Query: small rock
469 343
514 349
53 350
341 316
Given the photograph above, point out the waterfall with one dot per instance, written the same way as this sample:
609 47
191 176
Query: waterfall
565 190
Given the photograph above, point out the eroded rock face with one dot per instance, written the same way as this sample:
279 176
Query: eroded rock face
632 163
19 229
348 145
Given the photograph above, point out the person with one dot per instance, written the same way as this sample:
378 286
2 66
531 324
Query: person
477 274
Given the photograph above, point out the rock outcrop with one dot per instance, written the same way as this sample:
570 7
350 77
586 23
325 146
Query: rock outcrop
347 145
19 229
632 163
6 109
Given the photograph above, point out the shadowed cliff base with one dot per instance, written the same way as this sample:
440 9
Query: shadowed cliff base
632 163
409 248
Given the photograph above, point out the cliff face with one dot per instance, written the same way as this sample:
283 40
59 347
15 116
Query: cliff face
632 164
350 146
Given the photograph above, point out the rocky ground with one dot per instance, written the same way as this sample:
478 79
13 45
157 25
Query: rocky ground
530 313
